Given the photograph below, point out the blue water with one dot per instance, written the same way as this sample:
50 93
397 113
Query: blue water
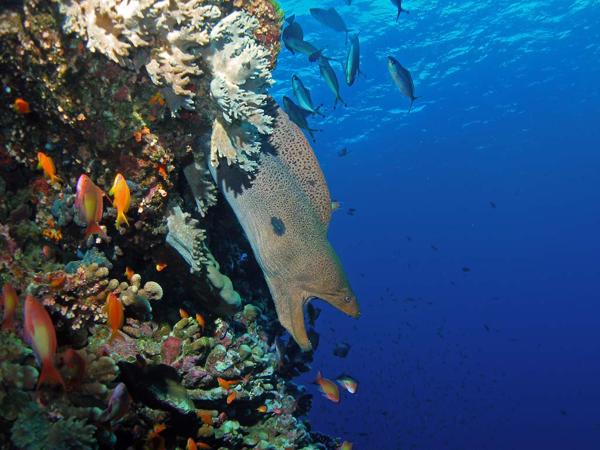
505 356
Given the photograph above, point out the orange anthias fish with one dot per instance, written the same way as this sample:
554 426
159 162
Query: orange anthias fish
161 266
154 440
183 313
328 388
231 398
88 204
122 198
21 106
262 409
116 315
47 165
41 336
200 320
10 301
205 416
226 384
129 272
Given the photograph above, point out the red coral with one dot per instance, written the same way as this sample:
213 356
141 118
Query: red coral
170 350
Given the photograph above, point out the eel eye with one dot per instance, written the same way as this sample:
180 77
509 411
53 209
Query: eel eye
347 299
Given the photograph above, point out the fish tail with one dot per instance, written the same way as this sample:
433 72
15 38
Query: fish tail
94 228
121 218
319 112
50 375
412 100
8 323
398 15
55 179
115 335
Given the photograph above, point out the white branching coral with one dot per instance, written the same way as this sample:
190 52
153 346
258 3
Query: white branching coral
163 36
241 76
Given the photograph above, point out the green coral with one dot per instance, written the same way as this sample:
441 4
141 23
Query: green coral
34 431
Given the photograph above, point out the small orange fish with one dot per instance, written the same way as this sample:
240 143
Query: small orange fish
89 205
41 336
162 171
206 417
200 320
10 300
346 445
203 445
47 165
21 106
226 384
122 198
161 266
231 398
129 273
157 99
57 280
328 388
183 313
116 315
262 409
154 440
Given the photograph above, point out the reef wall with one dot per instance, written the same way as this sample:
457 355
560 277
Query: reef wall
139 88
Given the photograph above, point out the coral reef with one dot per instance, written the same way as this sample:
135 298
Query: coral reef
134 87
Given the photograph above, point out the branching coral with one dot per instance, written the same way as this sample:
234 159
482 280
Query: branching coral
241 76
162 36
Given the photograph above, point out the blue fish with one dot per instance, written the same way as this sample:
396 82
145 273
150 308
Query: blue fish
298 115
331 80
398 4
302 94
352 66
402 79
330 18
291 31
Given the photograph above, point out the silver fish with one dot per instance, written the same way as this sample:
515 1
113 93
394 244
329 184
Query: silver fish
330 78
291 31
301 46
297 115
302 94
402 79
352 66
330 18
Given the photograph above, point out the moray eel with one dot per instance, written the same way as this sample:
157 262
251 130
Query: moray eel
285 212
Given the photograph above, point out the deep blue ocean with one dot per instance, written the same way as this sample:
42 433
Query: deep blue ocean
469 227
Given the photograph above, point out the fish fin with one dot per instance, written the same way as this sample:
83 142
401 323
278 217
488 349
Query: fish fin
319 112
121 218
94 228
115 335
8 323
411 103
398 15
55 179
50 375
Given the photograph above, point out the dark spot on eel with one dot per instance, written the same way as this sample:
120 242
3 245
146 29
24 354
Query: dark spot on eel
278 226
